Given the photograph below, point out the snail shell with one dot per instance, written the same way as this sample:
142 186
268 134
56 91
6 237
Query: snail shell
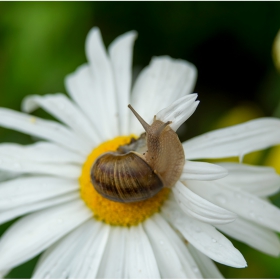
132 176
124 178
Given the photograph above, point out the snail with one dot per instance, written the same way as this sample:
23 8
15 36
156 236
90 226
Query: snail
139 170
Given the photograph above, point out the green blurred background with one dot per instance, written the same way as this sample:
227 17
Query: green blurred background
229 42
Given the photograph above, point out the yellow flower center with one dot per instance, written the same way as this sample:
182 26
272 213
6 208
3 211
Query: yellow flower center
110 212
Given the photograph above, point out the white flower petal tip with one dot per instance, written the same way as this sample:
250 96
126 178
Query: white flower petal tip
120 53
127 38
45 129
179 111
64 110
202 171
162 82
206 265
100 83
200 208
237 140
28 105
204 237
3 273
254 235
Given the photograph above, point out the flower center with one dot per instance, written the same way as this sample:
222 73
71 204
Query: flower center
111 212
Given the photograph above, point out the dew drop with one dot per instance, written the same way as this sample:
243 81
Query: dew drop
195 269
220 198
252 214
260 218
214 240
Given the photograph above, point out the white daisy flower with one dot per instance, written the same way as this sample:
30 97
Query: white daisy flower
170 235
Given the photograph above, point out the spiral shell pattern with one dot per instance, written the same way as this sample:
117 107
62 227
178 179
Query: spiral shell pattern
124 178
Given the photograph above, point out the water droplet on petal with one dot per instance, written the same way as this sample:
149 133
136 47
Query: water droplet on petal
252 214
220 198
195 269
214 240
260 218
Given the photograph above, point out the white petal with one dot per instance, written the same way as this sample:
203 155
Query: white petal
64 110
255 236
103 82
206 265
159 85
237 140
113 262
120 52
58 260
257 180
141 260
32 234
80 86
11 164
87 261
12 213
7 175
242 203
27 190
45 129
199 208
3 273
179 111
168 262
44 152
202 171
172 255
204 237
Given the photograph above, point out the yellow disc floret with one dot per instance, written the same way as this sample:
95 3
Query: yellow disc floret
110 212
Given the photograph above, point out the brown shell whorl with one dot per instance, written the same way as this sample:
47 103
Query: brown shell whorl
124 178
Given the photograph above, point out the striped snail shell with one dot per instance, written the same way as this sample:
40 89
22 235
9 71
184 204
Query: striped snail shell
130 176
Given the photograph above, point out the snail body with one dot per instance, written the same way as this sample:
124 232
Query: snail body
134 176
